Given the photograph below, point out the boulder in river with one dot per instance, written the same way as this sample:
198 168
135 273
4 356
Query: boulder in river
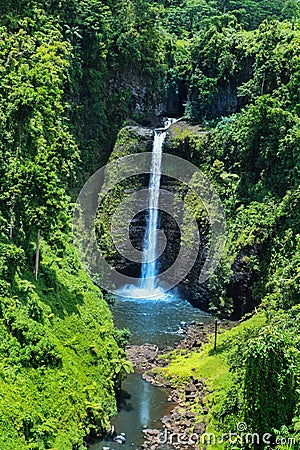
120 438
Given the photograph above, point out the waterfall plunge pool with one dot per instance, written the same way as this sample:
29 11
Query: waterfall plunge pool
158 320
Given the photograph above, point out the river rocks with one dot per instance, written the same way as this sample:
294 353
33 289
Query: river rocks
119 440
151 432
180 426
143 357
156 379
195 336
190 388
199 428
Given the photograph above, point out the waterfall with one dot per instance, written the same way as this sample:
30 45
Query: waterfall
147 287
149 263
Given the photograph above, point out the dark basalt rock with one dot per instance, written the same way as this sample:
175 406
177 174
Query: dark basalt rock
241 283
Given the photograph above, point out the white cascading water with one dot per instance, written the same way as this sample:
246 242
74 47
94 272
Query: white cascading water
148 285
149 263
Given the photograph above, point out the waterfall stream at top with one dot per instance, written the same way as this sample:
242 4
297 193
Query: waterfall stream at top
149 263
148 287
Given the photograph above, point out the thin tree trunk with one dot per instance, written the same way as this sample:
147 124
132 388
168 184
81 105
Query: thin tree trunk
216 335
11 224
263 84
20 121
37 255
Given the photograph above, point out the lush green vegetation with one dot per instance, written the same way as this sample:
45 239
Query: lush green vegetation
213 366
60 355
249 75
252 378
72 72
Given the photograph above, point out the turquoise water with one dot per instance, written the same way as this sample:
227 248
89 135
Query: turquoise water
141 406
157 321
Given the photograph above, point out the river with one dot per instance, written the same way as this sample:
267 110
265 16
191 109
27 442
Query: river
157 322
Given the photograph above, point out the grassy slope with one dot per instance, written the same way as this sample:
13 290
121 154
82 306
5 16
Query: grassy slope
213 367
55 404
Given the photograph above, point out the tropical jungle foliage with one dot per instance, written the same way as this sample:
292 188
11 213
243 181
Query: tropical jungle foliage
72 73
241 80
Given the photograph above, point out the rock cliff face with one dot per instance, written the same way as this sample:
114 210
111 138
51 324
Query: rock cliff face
144 102
223 100
223 103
